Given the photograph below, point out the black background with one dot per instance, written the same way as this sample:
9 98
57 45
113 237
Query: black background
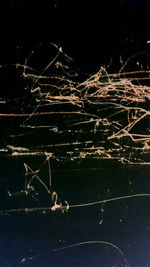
92 32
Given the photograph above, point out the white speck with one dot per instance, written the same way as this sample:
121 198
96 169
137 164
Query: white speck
55 130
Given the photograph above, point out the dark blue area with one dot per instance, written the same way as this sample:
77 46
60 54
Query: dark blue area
34 235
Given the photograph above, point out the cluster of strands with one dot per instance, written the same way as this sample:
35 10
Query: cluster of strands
105 116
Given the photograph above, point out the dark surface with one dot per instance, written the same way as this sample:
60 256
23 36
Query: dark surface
93 33
34 235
